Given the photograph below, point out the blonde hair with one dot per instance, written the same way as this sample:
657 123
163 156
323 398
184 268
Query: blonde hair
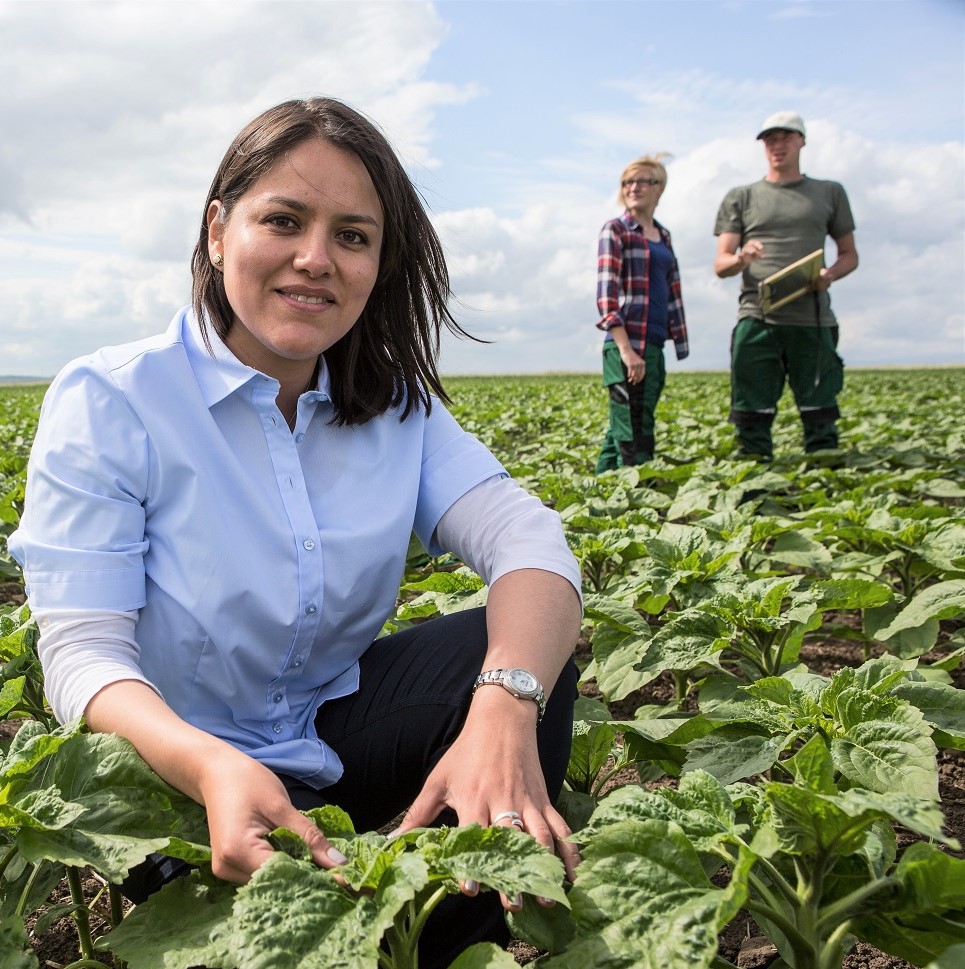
654 162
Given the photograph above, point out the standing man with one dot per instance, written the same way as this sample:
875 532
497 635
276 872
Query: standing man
640 305
762 228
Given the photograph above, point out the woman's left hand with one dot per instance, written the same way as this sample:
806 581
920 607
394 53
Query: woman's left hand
492 771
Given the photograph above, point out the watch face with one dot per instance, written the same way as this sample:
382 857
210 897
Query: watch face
523 681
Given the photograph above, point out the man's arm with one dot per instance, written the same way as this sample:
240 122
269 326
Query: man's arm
846 262
729 261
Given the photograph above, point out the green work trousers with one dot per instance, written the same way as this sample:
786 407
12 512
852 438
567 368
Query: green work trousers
763 357
630 434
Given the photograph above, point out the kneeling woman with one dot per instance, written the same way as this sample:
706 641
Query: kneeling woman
217 521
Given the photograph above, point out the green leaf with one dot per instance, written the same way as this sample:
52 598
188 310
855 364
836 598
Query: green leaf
730 754
807 823
603 609
942 705
483 955
292 915
921 816
15 950
591 748
812 766
31 745
550 929
615 664
699 806
851 594
128 811
944 600
642 901
798 550
904 643
332 821
502 858
886 745
447 582
952 958
917 940
931 879
192 918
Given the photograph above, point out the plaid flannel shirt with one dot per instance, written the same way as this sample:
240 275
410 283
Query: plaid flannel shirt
623 283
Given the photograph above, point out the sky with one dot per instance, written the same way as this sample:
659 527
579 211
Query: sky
514 118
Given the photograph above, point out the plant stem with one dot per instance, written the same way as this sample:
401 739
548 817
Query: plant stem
7 858
81 915
779 881
25 894
117 905
778 657
804 952
830 957
847 905
403 938
427 909
681 681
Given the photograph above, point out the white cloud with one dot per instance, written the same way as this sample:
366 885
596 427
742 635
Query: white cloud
122 113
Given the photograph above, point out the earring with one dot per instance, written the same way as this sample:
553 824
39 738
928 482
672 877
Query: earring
217 259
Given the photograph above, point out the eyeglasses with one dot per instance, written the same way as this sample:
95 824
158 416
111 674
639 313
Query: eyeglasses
627 182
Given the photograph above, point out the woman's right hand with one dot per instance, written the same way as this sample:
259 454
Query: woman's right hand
245 801
634 363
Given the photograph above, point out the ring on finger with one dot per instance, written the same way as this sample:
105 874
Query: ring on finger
506 814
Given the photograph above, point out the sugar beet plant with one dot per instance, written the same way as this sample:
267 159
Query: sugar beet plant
804 797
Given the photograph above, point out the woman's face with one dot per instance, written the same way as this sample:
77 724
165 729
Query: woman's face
642 188
301 255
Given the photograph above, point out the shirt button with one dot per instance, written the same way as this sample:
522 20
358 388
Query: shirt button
276 698
308 544
299 438
277 728
311 609
297 661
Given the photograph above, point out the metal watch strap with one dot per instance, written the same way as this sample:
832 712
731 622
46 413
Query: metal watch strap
500 677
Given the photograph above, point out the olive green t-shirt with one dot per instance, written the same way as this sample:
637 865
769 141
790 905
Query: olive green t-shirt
791 220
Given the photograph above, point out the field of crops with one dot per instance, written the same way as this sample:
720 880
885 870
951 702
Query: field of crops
768 751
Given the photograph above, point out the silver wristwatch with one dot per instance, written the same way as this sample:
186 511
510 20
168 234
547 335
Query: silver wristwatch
521 683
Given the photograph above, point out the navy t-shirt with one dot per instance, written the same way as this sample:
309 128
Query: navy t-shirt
661 263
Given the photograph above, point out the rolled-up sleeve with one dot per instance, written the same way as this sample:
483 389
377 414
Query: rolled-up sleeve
81 540
453 463
497 527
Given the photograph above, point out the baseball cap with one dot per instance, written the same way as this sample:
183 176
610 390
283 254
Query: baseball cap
785 120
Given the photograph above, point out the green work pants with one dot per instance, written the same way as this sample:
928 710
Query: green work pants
763 357
630 434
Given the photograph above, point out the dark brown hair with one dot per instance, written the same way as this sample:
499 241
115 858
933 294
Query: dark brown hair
389 356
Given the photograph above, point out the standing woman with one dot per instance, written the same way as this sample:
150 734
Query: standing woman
640 305
217 520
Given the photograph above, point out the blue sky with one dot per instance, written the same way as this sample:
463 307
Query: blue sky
514 118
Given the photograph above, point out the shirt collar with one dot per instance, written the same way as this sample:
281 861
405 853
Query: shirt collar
219 372
631 222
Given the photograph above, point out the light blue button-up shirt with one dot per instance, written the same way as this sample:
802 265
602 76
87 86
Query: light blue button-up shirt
263 563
